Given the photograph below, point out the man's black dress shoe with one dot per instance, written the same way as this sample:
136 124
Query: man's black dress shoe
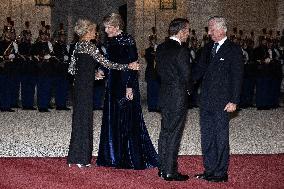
212 178
98 108
50 107
7 110
43 110
174 177
80 165
153 110
63 108
218 178
160 174
28 108
203 176
263 108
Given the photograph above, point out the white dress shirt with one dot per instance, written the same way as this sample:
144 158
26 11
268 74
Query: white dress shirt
176 39
220 43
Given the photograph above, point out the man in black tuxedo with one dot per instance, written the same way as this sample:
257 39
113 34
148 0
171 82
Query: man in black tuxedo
221 65
173 68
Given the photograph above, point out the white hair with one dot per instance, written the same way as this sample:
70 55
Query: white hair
82 26
220 22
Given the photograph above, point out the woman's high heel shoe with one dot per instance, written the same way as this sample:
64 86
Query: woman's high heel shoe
80 165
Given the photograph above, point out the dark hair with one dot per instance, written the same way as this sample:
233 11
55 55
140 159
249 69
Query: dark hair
176 25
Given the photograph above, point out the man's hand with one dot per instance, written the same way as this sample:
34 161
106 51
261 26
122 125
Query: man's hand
12 56
267 60
230 107
134 65
99 75
129 93
47 57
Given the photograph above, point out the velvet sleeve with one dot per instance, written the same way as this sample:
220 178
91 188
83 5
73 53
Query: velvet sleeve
130 76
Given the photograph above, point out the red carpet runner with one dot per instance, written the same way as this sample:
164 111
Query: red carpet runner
246 172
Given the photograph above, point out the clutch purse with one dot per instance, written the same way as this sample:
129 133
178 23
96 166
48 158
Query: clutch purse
122 103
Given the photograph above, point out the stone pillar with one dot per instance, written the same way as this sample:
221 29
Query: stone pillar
280 20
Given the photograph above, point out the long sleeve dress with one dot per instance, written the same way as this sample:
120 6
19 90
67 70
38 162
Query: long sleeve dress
124 140
84 60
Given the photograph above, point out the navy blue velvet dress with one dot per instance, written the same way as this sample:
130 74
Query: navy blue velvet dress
124 140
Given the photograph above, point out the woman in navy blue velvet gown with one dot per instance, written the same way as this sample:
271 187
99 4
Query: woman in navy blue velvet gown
124 140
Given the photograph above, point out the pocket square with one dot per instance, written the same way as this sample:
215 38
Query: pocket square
222 59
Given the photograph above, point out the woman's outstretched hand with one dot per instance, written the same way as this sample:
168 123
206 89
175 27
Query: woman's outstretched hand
134 65
99 75
129 93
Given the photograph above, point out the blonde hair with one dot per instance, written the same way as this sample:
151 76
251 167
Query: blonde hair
114 19
82 26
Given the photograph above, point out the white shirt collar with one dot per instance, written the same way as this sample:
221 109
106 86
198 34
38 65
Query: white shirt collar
222 41
176 39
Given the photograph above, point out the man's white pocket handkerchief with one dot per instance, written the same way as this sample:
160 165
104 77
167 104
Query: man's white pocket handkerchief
222 59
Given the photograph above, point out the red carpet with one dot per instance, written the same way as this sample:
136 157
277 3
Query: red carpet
246 172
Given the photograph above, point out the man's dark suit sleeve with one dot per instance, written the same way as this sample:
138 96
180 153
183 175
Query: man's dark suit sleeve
201 66
183 67
236 74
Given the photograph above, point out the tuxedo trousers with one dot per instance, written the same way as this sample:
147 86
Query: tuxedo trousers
172 127
215 141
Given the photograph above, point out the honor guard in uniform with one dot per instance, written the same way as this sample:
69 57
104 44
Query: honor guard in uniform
270 35
12 30
61 72
60 31
194 55
248 86
205 37
42 28
151 75
47 32
28 71
7 27
241 36
262 36
263 75
26 31
193 36
7 56
277 39
43 52
276 74
15 69
234 34
250 40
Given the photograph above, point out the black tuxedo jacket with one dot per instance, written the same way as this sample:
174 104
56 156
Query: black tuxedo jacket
173 66
222 75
